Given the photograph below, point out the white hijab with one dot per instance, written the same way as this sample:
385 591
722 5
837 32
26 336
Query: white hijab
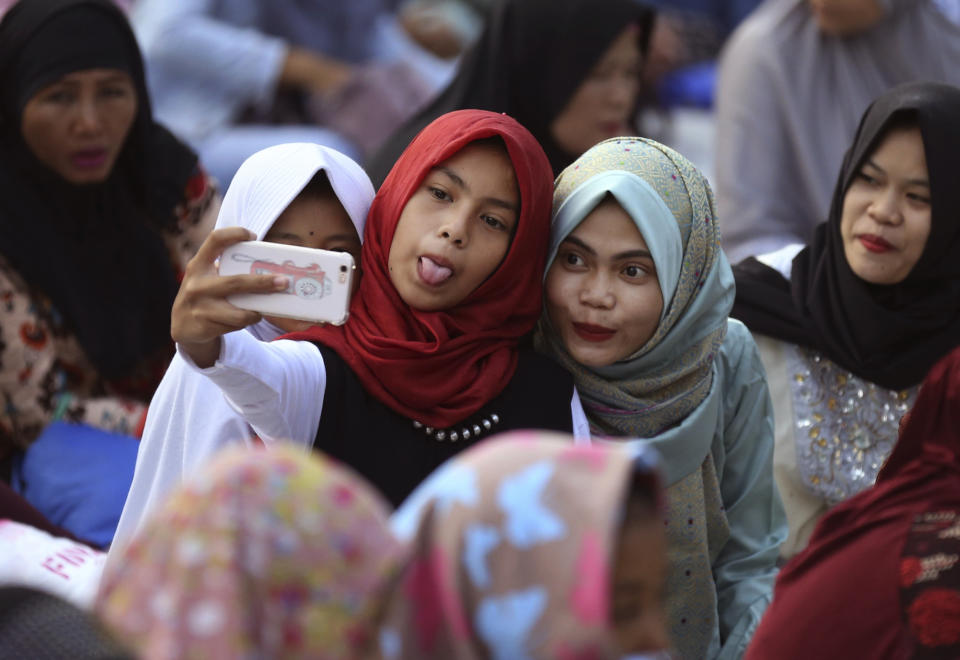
789 99
189 420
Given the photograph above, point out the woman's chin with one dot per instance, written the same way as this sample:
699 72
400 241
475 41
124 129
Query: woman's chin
592 356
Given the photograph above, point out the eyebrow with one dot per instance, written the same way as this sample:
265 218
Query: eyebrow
916 182
458 180
629 254
633 254
108 79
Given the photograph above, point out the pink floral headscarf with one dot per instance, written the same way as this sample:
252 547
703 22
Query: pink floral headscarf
267 554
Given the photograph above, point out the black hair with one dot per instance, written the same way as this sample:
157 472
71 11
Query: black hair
499 143
900 120
319 187
492 141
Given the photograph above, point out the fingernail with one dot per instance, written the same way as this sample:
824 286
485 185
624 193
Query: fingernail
280 282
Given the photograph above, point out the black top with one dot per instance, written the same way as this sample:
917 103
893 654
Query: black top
889 334
396 455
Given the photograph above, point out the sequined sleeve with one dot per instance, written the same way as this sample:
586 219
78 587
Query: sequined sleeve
834 431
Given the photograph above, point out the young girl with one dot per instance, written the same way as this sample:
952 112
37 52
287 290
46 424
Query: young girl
637 296
298 194
528 546
431 359
848 325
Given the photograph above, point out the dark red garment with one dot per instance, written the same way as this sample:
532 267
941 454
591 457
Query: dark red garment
441 367
854 592
15 507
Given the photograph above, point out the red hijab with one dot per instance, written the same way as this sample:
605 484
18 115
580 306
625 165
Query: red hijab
440 367
881 576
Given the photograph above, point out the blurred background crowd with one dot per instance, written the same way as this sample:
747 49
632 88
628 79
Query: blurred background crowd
768 99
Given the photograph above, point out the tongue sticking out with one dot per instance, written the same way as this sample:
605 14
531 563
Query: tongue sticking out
432 272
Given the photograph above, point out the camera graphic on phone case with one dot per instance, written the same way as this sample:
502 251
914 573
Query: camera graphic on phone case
319 282
309 282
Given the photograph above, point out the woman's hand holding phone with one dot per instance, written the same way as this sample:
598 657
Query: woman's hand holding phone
201 313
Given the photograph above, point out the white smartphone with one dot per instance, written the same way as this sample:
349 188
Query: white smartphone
319 282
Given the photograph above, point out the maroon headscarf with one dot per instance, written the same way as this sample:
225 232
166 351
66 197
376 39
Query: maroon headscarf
440 367
881 575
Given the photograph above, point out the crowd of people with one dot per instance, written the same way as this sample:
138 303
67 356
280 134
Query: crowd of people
580 408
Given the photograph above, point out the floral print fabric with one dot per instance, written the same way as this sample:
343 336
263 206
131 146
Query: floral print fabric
267 554
930 584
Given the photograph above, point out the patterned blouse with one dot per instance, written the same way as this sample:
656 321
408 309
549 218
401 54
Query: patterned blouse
45 375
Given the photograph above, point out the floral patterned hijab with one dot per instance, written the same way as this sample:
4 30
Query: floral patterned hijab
672 205
267 554
509 560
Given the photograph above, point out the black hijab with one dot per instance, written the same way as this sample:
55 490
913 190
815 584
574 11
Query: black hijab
529 61
889 334
36 624
95 250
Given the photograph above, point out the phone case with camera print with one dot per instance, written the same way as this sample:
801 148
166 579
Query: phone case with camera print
319 282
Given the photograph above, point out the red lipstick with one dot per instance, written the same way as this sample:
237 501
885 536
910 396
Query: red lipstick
874 243
595 333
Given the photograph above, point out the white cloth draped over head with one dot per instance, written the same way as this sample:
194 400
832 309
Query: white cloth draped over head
789 99
189 420
270 179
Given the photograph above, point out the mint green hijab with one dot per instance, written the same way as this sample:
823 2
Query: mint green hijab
673 207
